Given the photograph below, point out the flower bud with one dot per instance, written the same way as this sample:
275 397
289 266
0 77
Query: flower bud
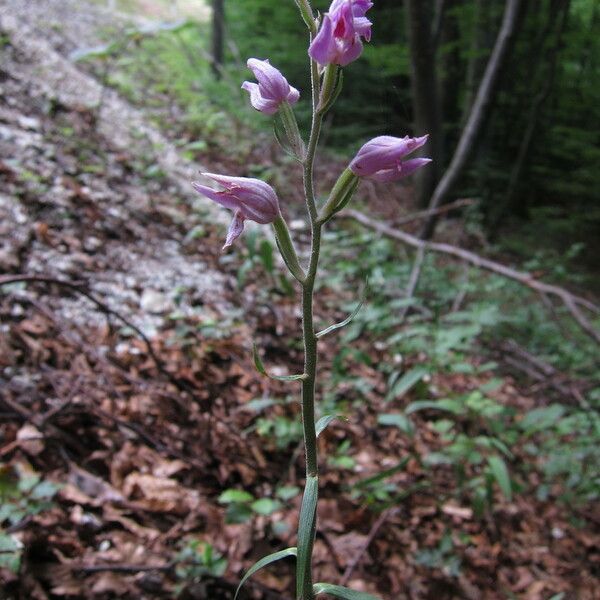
381 159
249 199
338 42
272 88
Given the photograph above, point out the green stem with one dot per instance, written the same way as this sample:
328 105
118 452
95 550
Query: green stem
307 15
308 327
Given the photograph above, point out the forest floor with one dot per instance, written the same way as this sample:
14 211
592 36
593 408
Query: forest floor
128 395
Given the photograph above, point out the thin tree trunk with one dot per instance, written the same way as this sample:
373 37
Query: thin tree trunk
480 111
425 101
218 31
550 58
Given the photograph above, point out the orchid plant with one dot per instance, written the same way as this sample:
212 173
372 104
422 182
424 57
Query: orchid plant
336 40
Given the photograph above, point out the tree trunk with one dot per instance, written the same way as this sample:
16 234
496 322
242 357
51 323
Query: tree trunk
218 35
426 107
548 59
480 111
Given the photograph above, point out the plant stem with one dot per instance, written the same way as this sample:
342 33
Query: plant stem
308 328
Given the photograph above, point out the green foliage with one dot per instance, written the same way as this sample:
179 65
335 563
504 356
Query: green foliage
242 506
443 557
196 561
22 494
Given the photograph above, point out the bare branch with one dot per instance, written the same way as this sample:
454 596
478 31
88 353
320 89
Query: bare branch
570 301
424 214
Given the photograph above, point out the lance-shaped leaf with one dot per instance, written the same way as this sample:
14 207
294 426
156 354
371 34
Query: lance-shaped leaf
500 473
260 367
306 536
339 591
348 319
263 562
324 422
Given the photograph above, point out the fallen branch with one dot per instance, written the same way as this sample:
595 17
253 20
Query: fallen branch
571 301
425 214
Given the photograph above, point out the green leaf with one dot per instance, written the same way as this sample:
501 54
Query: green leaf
287 492
406 382
542 418
263 562
306 533
265 506
260 367
398 420
325 421
235 497
346 321
341 592
452 406
382 474
500 473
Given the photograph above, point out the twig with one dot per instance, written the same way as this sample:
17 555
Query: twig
385 515
570 301
120 568
413 281
77 287
542 372
425 214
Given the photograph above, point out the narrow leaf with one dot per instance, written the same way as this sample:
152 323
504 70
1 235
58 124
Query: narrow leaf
382 474
350 318
341 592
406 382
324 422
399 420
263 562
500 473
306 534
260 367
450 406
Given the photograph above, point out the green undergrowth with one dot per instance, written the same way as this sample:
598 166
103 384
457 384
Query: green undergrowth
165 68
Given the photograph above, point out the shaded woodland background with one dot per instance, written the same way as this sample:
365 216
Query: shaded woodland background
142 455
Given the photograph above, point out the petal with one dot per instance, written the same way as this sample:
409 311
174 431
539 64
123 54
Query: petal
323 48
387 175
351 52
383 152
261 104
403 170
273 85
256 199
408 167
293 96
236 227
362 26
222 198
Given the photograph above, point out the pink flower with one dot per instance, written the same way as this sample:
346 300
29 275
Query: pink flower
339 39
272 88
381 159
248 198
